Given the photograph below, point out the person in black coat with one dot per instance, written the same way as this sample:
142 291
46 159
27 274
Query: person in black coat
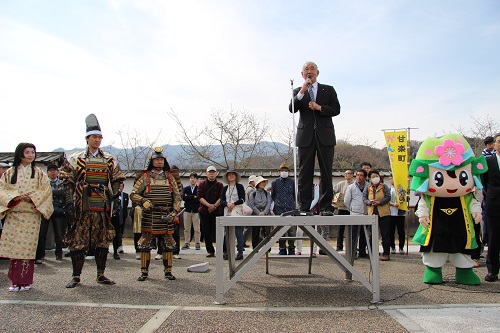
120 214
190 215
491 183
317 104
232 199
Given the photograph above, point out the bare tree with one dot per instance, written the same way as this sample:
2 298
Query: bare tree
135 148
285 135
480 128
229 141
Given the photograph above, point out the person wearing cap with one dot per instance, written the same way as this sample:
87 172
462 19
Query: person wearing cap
209 192
251 186
25 196
317 104
88 175
157 192
232 199
260 202
58 218
190 215
283 195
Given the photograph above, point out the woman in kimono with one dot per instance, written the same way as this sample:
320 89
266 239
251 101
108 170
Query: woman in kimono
25 195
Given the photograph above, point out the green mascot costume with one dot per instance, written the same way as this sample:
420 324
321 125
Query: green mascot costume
445 172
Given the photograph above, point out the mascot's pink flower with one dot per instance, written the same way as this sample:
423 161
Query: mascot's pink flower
450 153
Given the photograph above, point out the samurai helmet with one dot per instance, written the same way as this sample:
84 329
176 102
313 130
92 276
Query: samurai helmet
158 153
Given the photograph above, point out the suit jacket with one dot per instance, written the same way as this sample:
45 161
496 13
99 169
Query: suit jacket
125 205
191 204
491 184
311 120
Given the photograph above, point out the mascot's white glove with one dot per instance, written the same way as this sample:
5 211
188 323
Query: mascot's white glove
424 221
477 217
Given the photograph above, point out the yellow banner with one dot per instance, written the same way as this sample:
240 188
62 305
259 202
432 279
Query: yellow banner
397 147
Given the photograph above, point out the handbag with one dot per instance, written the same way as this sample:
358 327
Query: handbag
338 200
237 210
246 210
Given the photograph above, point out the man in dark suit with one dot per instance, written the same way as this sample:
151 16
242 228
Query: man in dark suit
491 183
317 104
120 213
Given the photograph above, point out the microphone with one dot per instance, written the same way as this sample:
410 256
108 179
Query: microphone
309 83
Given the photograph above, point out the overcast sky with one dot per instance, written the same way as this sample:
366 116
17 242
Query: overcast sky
427 64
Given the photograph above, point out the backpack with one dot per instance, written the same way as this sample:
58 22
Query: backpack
255 192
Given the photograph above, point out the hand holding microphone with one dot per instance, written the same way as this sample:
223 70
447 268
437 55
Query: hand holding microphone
307 83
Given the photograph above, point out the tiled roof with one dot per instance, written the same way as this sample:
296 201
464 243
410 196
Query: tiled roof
258 172
41 157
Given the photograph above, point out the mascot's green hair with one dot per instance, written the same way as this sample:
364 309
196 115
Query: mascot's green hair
449 152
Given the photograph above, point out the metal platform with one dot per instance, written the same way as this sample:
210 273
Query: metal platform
280 225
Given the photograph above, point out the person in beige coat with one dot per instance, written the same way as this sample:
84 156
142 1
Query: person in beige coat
25 196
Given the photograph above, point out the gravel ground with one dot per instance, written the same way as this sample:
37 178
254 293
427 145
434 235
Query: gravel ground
287 299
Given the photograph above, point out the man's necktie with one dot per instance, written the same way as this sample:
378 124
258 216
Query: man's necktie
311 93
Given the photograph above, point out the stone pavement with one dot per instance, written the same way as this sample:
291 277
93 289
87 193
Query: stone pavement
288 299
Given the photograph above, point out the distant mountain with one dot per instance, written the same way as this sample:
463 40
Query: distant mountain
138 157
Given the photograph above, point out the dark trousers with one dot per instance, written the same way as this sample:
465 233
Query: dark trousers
117 240
362 239
59 227
476 253
306 175
239 239
246 232
137 236
256 235
177 239
485 227
208 224
397 222
384 224
340 233
492 262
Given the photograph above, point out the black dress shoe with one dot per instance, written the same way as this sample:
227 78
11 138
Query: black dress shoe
143 277
491 277
75 281
104 280
326 213
116 256
210 255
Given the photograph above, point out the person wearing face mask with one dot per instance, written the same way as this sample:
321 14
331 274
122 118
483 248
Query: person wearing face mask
377 197
283 195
